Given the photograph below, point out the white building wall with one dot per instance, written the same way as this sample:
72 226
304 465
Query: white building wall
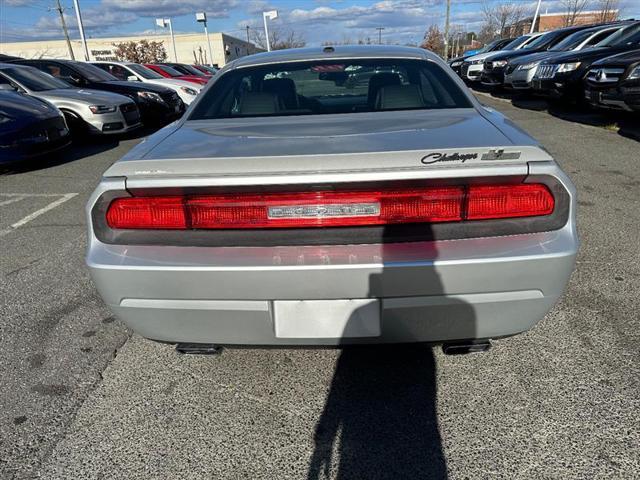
190 48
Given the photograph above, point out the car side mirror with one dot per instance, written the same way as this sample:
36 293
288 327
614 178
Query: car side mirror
132 78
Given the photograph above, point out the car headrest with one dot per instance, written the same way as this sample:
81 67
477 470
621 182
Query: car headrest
399 96
258 103
285 88
379 80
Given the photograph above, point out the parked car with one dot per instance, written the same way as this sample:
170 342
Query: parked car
562 76
471 68
519 72
189 70
170 72
29 127
456 63
494 67
158 105
134 72
614 82
86 111
404 212
206 69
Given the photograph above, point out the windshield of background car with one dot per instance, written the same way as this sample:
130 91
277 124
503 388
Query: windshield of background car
144 72
330 87
572 41
621 36
189 70
516 43
93 73
171 71
33 79
541 41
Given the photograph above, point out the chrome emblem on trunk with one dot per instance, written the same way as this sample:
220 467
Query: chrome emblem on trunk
325 211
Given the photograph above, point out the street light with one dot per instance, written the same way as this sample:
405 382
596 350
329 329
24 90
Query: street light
201 17
81 30
271 15
166 22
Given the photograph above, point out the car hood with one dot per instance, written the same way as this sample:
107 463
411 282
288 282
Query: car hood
485 55
587 55
622 59
125 86
17 105
533 57
82 95
174 83
323 143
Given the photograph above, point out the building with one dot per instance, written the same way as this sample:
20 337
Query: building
190 48
552 21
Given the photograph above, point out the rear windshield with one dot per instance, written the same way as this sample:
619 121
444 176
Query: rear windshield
330 87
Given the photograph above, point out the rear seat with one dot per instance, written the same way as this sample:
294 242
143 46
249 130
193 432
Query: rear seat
393 97
259 103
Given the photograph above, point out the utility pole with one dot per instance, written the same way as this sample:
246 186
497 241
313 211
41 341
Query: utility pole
81 29
535 16
60 10
248 27
248 41
379 34
446 31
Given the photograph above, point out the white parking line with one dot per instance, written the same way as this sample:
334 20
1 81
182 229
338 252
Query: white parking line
12 200
64 197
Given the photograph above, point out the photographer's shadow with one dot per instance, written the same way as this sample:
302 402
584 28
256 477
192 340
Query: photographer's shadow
380 416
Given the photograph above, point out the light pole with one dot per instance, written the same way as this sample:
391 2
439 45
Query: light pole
379 34
446 31
535 16
166 22
271 15
81 29
202 18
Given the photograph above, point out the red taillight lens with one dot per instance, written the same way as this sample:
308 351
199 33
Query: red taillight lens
330 209
508 201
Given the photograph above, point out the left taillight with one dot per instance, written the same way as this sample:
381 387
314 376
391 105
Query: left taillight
330 208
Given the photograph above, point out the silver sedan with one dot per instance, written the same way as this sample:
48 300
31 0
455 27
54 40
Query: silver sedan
287 209
91 111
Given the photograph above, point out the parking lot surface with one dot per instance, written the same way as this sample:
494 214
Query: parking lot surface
83 398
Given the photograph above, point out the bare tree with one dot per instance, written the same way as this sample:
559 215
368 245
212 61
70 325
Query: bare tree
433 40
608 10
502 18
279 38
143 51
572 10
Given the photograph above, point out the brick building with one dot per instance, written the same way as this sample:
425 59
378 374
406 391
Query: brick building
552 21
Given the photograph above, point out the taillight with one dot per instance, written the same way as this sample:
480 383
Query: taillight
331 208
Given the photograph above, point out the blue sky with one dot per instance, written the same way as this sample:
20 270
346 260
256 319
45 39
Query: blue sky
317 20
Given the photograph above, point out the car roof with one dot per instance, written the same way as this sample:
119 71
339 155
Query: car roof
334 52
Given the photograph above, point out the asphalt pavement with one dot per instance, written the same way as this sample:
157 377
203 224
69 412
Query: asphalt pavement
82 398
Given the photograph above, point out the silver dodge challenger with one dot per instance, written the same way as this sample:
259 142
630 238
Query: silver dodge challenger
286 209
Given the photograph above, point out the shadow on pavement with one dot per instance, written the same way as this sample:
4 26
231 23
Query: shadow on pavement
380 416
626 124
80 148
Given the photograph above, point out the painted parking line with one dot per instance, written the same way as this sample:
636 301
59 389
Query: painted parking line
15 197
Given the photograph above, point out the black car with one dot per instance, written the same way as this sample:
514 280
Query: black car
456 63
614 82
562 75
494 66
29 127
187 70
158 105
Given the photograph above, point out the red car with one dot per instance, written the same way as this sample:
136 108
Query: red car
169 72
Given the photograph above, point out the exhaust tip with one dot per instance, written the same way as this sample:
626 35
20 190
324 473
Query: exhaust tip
198 349
464 348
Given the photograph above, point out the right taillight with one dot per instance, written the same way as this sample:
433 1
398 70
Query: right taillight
304 209
508 201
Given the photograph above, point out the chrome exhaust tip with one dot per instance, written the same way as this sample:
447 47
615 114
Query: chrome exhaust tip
198 349
463 348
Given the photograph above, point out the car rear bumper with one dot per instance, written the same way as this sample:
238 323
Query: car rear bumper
421 291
